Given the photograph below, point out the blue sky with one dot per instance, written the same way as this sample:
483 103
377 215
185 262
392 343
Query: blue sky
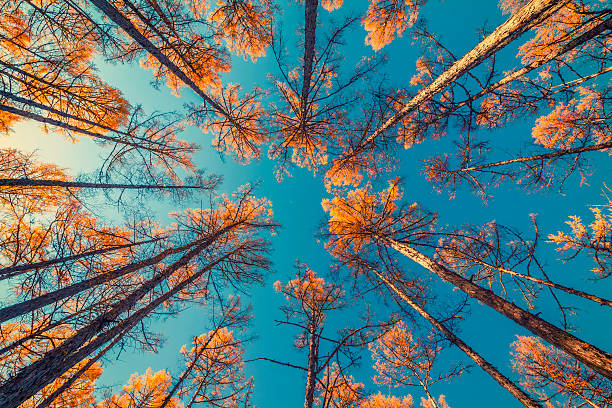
296 203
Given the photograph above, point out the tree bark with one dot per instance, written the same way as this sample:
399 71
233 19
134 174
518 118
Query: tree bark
586 353
482 363
25 182
38 302
558 153
12 271
310 25
311 377
126 25
527 17
31 379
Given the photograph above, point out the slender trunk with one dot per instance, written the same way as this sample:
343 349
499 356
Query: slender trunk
13 271
558 153
62 388
33 378
186 373
26 182
310 25
67 126
527 17
38 302
568 46
432 400
586 353
597 299
118 18
312 366
482 363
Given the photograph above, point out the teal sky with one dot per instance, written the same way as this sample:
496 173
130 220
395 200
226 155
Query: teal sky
296 203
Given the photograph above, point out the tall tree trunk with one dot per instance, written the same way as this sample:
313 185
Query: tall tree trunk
26 182
527 17
126 25
557 52
67 126
38 302
482 363
31 379
75 376
586 353
16 270
588 296
538 157
310 26
311 376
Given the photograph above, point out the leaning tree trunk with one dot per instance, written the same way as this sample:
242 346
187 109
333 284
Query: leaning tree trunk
527 17
31 379
482 363
126 25
26 182
12 271
38 302
538 157
312 366
584 295
586 353
557 52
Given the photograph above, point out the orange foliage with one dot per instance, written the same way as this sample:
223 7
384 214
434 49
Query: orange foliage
337 390
217 376
548 371
596 240
383 401
581 119
78 395
387 19
245 27
331 5
146 390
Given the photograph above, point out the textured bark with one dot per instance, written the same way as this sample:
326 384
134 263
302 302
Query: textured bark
312 367
13 271
38 302
482 363
126 25
586 353
570 45
31 379
310 25
554 285
25 182
527 17
63 125
538 157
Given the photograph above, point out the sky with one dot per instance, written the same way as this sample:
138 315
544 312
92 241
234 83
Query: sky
296 203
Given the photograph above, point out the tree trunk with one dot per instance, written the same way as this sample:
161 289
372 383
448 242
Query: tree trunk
527 17
597 299
570 45
311 377
586 353
482 363
25 182
38 302
12 271
115 15
310 25
558 153
33 378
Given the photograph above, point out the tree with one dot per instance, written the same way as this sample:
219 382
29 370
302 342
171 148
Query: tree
146 390
553 374
399 359
230 253
364 219
386 19
596 242
380 401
